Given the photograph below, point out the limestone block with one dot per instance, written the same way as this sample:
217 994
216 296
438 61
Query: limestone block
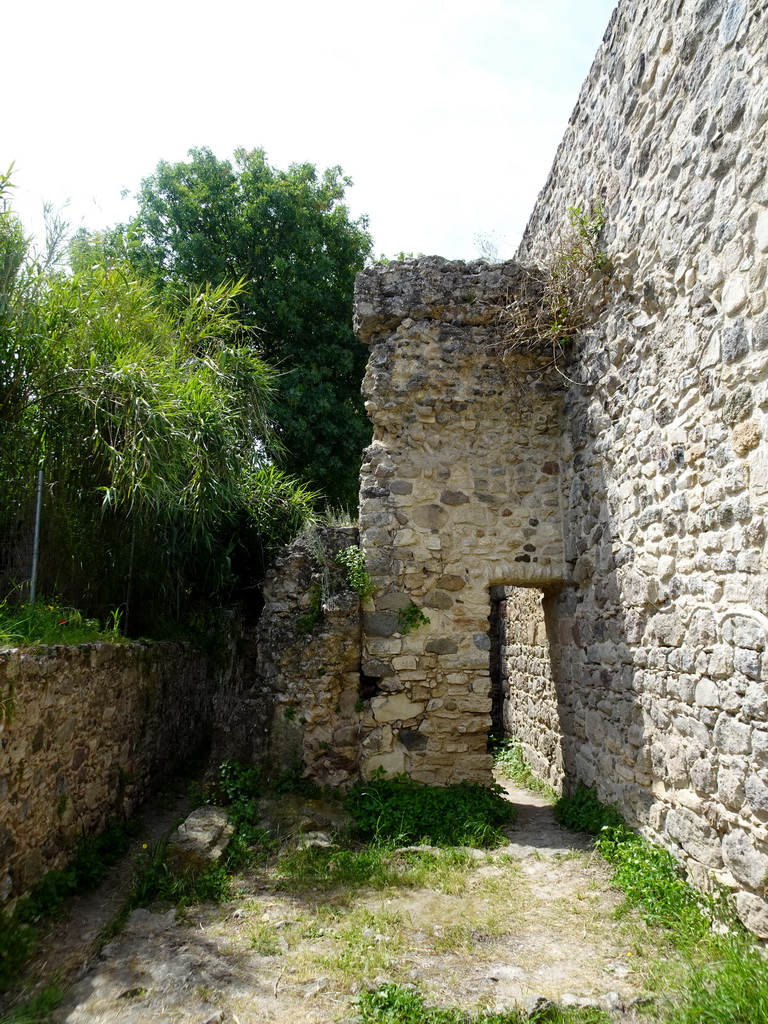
393 763
744 859
732 736
753 912
695 836
760 746
707 694
757 793
667 629
200 841
761 231
721 662
395 707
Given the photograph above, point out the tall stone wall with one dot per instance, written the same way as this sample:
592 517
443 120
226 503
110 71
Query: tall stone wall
460 492
83 733
645 480
662 667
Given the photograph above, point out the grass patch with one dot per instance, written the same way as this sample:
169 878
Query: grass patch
509 760
377 866
723 974
36 1010
396 1004
402 811
49 623
583 812
366 944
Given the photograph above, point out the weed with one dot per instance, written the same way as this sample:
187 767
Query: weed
36 1010
396 1004
239 782
317 868
353 560
509 760
410 618
156 881
554 303
583 812
264 940
47 623
367 944
403 811
310 619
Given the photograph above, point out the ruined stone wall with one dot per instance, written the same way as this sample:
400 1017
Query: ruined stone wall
530 706
294 702
460 492
662 667
83 732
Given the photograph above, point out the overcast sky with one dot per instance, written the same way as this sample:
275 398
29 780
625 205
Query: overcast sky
445 113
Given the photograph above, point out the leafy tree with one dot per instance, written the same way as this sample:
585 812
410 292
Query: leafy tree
287 236
151 420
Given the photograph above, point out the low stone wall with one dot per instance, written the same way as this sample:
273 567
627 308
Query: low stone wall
83 732
530 709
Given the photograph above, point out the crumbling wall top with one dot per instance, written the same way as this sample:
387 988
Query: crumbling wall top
431 288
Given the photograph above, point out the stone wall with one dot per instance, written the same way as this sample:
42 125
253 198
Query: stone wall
83 732
530 707
644 481
460 492
662 667
294 703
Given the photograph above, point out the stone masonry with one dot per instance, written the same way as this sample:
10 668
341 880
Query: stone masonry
84 731
635 495
294 703
460 491
529 705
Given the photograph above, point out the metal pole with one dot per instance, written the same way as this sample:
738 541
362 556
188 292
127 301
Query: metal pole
36 541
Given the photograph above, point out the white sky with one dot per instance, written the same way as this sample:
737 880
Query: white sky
445 113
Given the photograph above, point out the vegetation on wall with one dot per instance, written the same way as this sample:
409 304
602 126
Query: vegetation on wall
555 302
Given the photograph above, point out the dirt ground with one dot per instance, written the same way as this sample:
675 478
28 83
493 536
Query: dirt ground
532 919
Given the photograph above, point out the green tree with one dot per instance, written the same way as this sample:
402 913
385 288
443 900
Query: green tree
288 236
151 420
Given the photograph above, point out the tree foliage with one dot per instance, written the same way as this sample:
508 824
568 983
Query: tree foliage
288 237
151 421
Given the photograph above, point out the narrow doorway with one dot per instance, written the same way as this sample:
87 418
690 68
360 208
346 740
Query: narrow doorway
524 694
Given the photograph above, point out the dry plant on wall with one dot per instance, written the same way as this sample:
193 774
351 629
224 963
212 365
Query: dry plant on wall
556 299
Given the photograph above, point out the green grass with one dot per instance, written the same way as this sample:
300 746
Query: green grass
396 1004
721 974
48 623
509 760
36 1010
405 812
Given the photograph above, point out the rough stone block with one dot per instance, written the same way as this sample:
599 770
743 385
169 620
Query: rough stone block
200 841
395 707
746 862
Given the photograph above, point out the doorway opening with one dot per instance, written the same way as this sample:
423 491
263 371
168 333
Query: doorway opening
524 697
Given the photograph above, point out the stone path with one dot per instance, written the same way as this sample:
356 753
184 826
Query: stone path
534 919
